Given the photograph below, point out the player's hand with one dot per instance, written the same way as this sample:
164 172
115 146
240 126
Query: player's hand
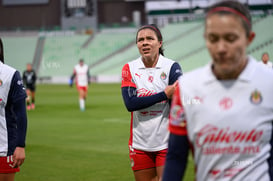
71 83
169 90
18 157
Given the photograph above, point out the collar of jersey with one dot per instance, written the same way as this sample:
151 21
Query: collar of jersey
245 76
158 64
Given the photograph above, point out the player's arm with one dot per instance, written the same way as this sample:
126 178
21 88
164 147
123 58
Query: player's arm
17 97
270 159
72 78
129 93
175 73
20 113
88 77
178 148
34 76
24 77
133 103
177 157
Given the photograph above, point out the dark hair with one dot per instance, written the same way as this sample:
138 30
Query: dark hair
235 8
157 32
1 51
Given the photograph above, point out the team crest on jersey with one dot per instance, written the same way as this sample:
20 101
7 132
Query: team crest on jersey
151 79
163 76
177 116
256 97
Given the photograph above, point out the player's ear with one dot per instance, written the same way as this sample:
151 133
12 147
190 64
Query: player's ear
251 37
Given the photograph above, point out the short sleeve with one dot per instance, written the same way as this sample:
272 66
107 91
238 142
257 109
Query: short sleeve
17 90
126 76
178 124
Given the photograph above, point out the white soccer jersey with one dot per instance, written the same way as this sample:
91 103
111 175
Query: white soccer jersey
149 126
228 123
11 90
268 64
81 75
6 73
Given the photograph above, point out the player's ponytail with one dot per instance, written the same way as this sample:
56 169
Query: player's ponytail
1 51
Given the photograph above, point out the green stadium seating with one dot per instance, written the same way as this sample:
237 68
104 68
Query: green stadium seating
107 52
61 53
19 51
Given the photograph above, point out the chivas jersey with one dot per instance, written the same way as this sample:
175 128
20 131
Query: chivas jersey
149 126
11 91
228 123
81 75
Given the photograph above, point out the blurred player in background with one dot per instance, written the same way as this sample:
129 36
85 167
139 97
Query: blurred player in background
224 111
13 120
265 60
148 84
82 76
29 79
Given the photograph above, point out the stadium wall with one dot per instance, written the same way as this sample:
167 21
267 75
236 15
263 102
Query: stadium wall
65 79
15 17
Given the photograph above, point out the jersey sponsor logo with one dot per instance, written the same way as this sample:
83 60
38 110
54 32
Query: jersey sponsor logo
144 92
256 97
212 134
150 113
144 113
163 76
225 103
191 101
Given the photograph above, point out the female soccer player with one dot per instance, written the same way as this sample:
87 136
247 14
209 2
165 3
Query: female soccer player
82 76
29 79
224 111
13 120
148 84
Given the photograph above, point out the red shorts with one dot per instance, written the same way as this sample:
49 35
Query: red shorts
143 159
6 165
84 88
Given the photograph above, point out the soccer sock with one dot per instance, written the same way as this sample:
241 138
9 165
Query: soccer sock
82 104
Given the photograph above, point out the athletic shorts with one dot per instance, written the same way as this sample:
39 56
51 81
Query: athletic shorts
6 165
84 88
143 160
30 87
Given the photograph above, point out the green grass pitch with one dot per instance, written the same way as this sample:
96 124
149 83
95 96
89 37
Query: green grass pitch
65 144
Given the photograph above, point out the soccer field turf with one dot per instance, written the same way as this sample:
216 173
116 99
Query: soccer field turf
65 144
